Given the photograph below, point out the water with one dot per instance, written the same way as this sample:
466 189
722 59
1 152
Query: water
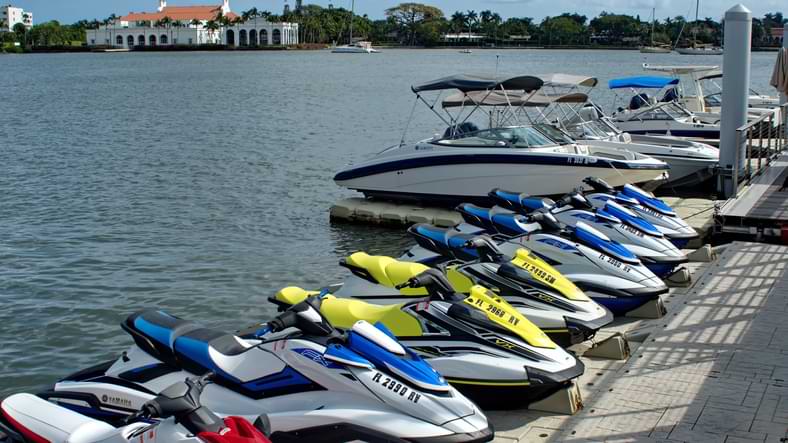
200 183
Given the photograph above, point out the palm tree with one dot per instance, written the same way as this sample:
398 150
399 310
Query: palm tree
457 21
212 26
470 18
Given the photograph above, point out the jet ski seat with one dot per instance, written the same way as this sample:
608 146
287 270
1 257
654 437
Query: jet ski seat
345 312
61 424
445 241
385 271
181 343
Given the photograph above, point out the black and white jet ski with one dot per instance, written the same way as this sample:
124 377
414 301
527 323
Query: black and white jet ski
645 205
536 289
314 382
606 271
616 222
478 342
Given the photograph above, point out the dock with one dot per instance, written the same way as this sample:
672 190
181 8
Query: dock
714 369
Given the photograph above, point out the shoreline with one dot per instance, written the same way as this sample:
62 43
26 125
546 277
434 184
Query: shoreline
317 47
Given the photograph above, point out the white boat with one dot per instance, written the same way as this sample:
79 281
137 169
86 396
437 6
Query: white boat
356 48
466 51
699 90
700 50
691 163
658 114
653 48
696 49
361 47
465 163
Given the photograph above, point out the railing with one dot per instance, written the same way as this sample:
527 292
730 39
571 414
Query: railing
765 140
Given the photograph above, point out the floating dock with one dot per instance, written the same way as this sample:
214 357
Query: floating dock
697 212
715 369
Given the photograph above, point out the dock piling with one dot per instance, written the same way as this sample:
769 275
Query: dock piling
735 95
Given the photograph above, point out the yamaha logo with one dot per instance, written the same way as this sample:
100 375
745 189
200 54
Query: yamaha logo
104 398
117 401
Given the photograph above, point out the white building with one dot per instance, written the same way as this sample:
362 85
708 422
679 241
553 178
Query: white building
10 16
188 25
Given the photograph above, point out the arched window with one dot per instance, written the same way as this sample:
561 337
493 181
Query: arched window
242 40
141 40
152 40
253 38
230 37
119 40
130 41
163 39
263 37
277 37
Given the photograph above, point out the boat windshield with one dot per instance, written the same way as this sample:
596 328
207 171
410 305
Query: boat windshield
557 135
512 137
663 111
595 129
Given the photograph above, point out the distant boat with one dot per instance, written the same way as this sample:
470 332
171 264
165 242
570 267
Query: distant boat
354 48
466 51
696 49
700 50
654 49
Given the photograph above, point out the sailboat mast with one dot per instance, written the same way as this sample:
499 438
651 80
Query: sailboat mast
653 21
695 28
352 11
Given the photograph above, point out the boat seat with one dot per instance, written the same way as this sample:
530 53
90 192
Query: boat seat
181 343
345 312
60 424
385 271
444 241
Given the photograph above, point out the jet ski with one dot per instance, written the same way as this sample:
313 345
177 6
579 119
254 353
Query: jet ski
645 205
606 271
478 342
314 382
536 289
175 415
613 220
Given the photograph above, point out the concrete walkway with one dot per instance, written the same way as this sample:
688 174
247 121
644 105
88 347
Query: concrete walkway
715 369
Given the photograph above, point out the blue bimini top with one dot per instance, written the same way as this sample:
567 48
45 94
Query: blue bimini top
642 82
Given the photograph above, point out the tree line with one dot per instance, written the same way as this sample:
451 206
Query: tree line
417 24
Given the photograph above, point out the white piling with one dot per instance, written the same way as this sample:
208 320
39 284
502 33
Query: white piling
735 92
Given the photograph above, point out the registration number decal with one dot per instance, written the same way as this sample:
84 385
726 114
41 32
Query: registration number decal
494 310
614 262
396 387
632 230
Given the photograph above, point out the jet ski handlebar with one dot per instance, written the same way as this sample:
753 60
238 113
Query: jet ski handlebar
599 185
182 401
436 284
548 221
304 316
486 248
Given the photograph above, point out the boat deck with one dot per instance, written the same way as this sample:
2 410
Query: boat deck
715 369
763 204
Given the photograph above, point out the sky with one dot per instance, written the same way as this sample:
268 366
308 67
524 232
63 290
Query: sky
69 11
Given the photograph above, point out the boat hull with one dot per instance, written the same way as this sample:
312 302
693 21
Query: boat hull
696 51
654 50
461 182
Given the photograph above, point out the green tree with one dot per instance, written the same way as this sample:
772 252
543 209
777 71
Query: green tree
409 17
563 30
20 31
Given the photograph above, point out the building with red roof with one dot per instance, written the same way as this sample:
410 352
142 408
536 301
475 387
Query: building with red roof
191 25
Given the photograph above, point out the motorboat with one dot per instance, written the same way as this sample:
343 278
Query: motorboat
570 108
691 162
465 162
644 114
699 90
466 51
